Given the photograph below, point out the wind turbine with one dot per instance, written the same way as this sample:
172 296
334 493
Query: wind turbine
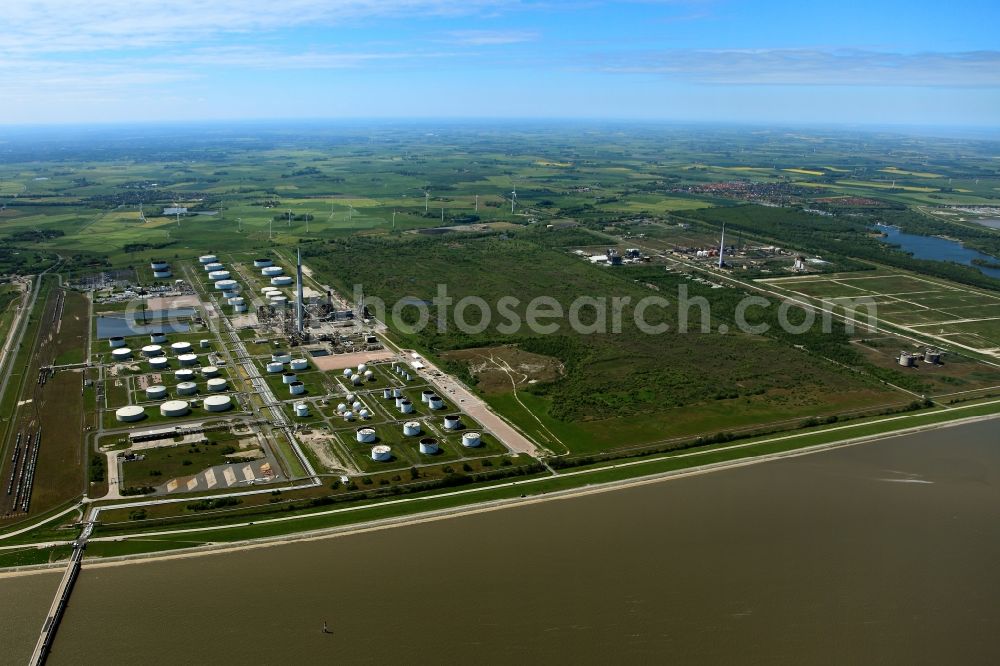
427 200
393 220
288 223
513 199
239 224
477 203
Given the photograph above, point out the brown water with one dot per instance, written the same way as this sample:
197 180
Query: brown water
24 602
882 553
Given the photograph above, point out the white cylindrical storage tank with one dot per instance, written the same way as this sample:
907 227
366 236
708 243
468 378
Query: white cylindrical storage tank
237 300
184 375
348 372
362 367
351 397
239 308
341 408
116 342
272 271
299 364
406 407
205 343
152 351
175 408
381 453
281 356
407 376
217 384
162 275
429 446
387 393
301 409
219 275
411 428
188 359
369 376
288 378
262 262
278 301
297 388
156 392
357 380
159 363
348 416
159 265
130 413
274 367
366 435
357 405
121 354
365 414
471 440
207 259
397 393
425 396
435 402
399 401
226 285
158 337
179 348
213 266
452 422
282 280
270 290
218 403
209 371
187 388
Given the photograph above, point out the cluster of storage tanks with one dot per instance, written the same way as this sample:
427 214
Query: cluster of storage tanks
909 359
353 409
173 408
401 371
161 269
360 376
279 359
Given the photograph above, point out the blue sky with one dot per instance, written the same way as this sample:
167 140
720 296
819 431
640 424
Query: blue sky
916 62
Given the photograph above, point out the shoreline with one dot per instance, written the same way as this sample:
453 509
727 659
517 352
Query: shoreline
477 508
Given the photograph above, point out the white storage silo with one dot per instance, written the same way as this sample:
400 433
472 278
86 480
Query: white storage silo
426 395
387 393
207 259
209 371
288 378
121 354
262 262
278 301
205 343
301 409
239 309
226 285
282 280
187 388
297 388
213 266
399 400
188 359
175 408
159 363
435 402
219 275
356 380
163 275
281 356
275 367
130 413
156 392
406 407
299 364
348 416
159 265
381 453
272 271
365 435
411 428
397 393
179 348
369 376
236 300
217 384
365 414
152 351
341 408
452 422
348 372
357 405
362 367
184 375
471 440
218 403
158 337
429 446
116 342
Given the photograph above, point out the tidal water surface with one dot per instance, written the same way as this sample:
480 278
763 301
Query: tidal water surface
887 552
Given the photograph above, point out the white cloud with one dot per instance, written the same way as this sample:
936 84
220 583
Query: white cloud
491 37
811 67
53 26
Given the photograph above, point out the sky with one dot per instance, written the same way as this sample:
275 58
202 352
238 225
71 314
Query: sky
757 61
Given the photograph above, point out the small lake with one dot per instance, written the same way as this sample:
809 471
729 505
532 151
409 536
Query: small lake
938 249
126 324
